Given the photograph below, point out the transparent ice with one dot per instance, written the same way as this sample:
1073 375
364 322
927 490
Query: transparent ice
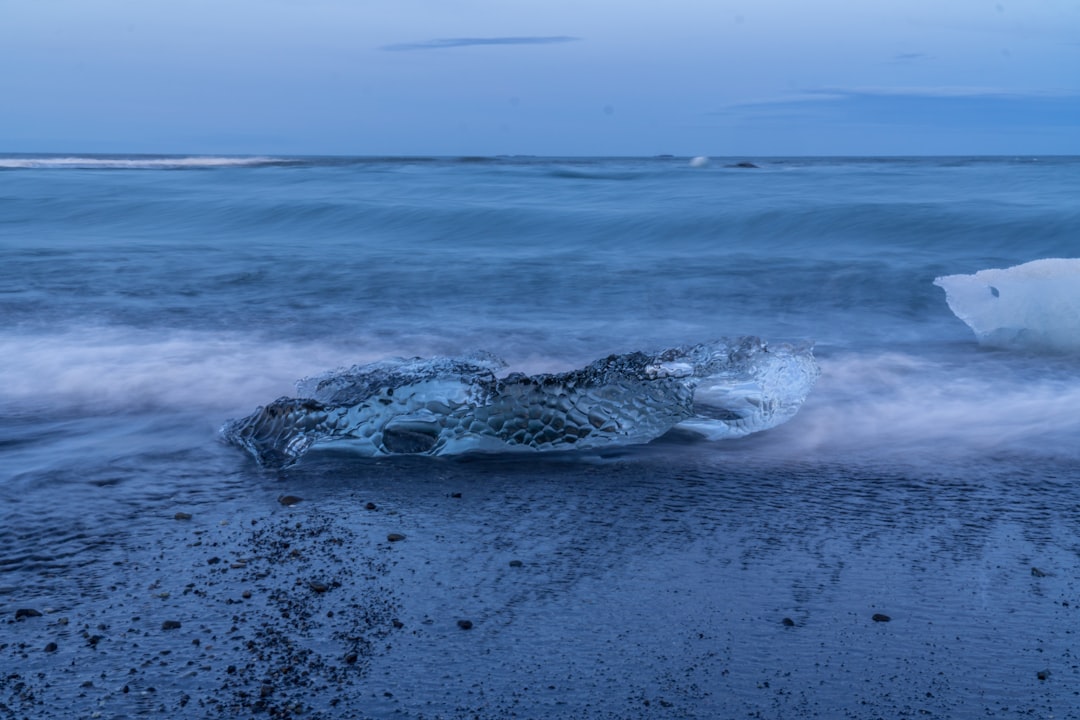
438 406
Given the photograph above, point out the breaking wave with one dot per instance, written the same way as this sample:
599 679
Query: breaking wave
133 162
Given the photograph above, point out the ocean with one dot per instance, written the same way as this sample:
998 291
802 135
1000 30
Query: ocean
905 545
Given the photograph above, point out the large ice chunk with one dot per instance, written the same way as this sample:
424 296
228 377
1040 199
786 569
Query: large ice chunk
1032 306
437 406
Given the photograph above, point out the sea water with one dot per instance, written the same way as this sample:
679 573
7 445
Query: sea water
144 301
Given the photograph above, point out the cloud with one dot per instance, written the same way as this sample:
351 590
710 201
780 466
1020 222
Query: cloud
945 91
441 43
940 92
913 109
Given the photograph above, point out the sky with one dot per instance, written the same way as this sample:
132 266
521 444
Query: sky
543 77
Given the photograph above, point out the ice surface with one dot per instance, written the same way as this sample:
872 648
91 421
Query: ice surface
1031 306
723 389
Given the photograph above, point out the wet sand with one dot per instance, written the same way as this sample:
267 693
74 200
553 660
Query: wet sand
665 582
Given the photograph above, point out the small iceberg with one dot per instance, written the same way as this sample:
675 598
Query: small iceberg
1034 306
441 406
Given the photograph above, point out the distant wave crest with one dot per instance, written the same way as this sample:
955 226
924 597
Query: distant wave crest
440 406
132 162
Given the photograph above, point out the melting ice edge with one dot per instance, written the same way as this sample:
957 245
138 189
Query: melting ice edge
726 388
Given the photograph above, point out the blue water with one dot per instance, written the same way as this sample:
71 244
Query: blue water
143 301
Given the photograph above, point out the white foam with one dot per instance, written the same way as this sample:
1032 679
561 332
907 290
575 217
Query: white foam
1031 306
119 369
917 410
130 163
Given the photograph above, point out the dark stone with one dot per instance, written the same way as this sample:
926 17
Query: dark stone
319 587
516 563
213 561
788 622
1042 674
351 658
879 617
266 690
246 594
744 164
455 495
1036 572
370 506
465 624
289 500
398 624
182 516
395 537
26 613
170 625
51 647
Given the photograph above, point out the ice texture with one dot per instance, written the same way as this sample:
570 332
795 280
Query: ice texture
1034 306
723 389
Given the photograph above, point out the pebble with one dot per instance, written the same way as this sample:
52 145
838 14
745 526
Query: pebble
289 500
351 658
51 647
1042 674
182 516
398 624
170 625
788 622
246 594
516 563
26 612
370 506
1036 572
879 617
319 587
394 537
465 624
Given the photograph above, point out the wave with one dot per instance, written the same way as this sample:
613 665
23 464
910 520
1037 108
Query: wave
573 174
115 369
918 407
136 162
905 409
